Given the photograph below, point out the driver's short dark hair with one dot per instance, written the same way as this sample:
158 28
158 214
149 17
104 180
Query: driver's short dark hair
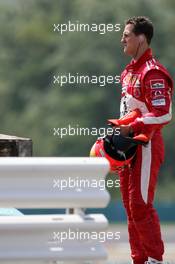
142 25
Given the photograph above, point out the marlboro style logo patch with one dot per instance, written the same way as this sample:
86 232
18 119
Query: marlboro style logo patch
157 84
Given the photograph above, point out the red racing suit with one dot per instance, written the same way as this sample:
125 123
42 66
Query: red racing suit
146 85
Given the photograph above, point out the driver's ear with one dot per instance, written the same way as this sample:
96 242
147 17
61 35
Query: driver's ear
141 38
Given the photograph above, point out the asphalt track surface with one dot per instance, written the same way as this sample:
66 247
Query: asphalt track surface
119 250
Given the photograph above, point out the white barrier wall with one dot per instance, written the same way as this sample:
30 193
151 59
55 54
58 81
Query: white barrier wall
33 182
36 182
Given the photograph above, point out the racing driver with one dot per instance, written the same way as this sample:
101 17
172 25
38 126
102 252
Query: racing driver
147 86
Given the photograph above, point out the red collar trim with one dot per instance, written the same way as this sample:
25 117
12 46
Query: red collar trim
146 56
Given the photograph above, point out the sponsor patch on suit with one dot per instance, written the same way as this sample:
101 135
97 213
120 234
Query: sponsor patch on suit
158 102
157 84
